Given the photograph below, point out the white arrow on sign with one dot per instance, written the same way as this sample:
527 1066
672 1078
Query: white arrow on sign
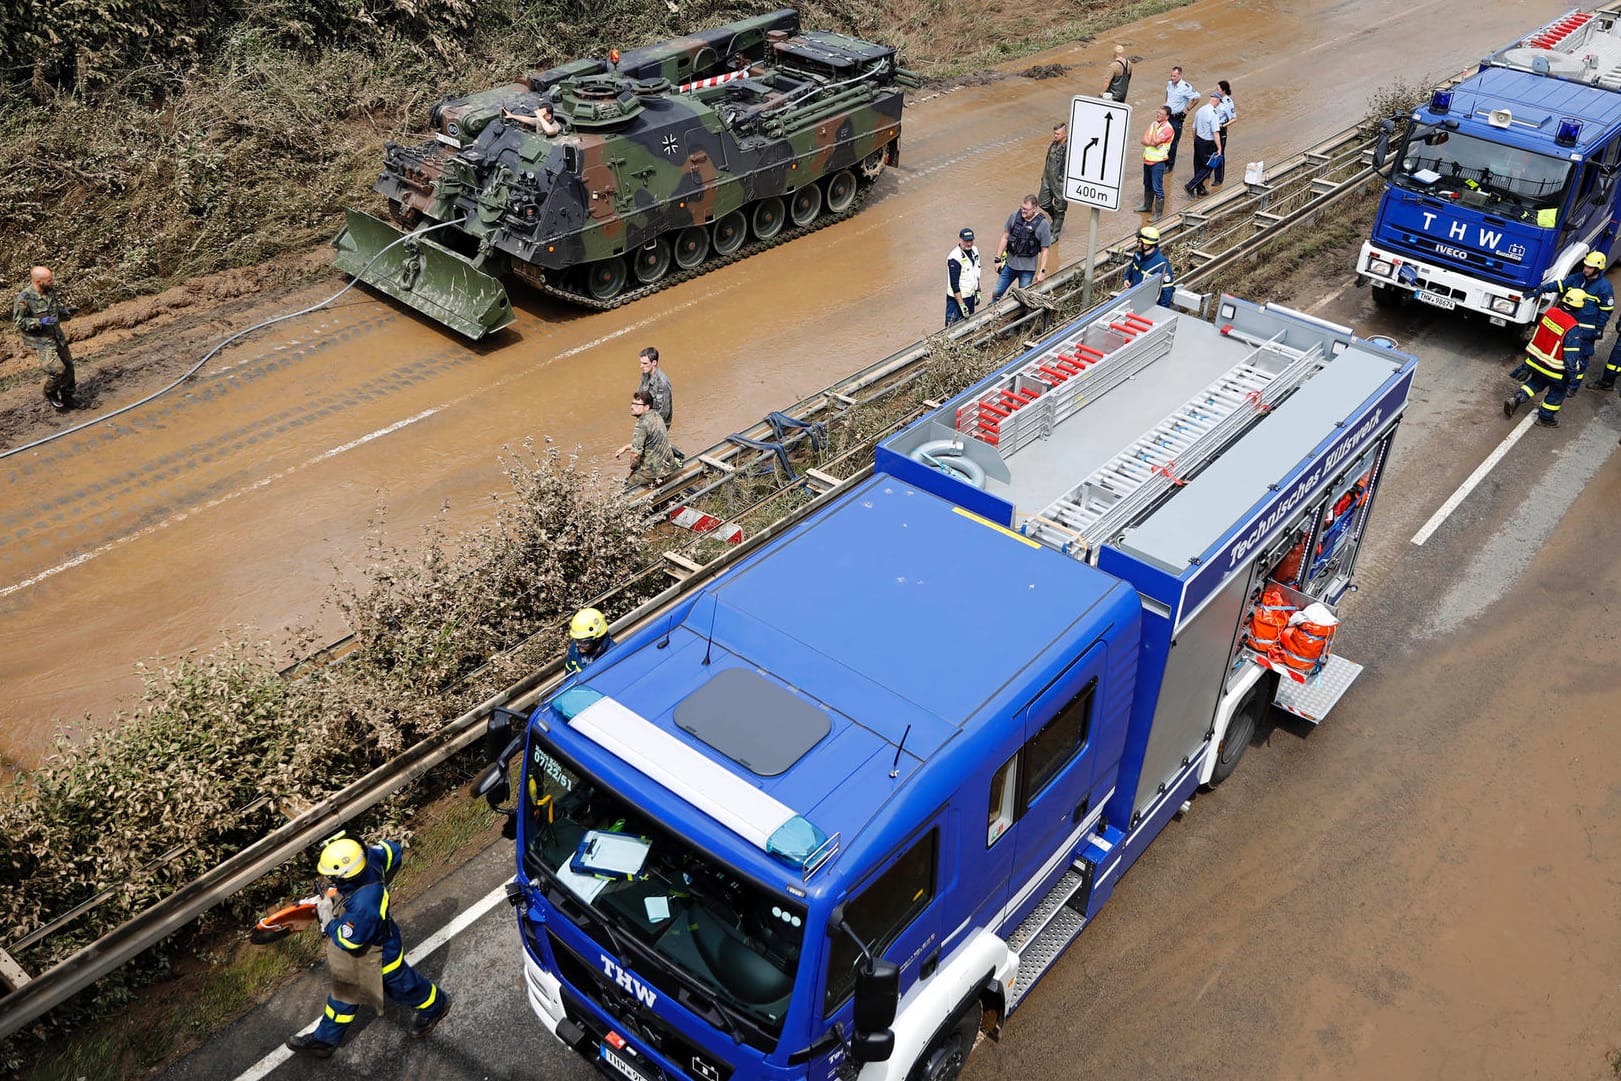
1099 137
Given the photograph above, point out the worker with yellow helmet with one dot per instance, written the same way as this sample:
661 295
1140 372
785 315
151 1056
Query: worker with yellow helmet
1595 314
588 639
365 953
1551 359
1148 261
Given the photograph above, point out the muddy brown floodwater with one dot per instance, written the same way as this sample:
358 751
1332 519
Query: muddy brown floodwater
230 502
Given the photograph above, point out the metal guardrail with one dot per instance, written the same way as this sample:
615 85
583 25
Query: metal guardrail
1239 222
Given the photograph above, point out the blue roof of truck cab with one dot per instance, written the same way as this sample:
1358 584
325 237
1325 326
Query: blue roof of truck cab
890 608
1533 99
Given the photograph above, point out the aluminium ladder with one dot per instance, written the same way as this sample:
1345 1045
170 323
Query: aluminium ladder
1105 503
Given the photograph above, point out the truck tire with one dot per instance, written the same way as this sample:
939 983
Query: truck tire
1386 296
1241 729
947 1054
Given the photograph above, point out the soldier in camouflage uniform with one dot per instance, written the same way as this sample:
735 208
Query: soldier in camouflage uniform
38 315
653 459
1051 197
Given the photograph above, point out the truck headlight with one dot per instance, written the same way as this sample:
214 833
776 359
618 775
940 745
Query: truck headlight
1503 305
1379 267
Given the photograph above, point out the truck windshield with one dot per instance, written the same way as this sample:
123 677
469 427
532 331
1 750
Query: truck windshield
673 904
1488 176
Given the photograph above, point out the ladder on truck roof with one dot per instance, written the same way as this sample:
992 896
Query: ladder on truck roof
1582 46
1111 499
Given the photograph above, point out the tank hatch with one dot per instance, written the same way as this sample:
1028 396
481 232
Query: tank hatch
604 101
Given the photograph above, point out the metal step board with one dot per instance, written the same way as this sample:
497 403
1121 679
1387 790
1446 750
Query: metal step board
1106 502
1046 931
1314 698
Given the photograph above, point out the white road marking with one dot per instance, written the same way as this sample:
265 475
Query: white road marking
1475 478
468 917
176 519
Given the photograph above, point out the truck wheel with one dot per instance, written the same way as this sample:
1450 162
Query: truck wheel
1386 296
651 261
768 218
691 246
1240 730
729 233
605 279
948 1054
805 205
841 192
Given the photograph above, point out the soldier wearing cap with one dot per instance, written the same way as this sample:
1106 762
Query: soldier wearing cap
962 278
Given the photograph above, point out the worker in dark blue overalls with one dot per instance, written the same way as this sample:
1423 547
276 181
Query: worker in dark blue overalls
1593 318
364 942
588 639
1148 260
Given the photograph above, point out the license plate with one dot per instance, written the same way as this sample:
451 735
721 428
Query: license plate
621 1065
1437 299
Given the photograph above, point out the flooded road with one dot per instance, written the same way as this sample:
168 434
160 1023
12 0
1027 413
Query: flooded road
231 502
1427 886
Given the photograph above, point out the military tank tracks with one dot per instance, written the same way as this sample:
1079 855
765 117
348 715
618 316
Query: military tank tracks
714 251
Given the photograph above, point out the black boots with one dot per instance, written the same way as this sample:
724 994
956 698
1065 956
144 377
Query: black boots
1159 209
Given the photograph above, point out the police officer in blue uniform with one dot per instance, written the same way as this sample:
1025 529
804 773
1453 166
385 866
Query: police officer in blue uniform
1593 318
353 915
1149 260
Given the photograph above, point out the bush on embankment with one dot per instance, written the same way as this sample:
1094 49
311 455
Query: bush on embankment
151 141
156 797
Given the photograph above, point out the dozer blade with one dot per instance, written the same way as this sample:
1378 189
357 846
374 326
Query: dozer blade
436 281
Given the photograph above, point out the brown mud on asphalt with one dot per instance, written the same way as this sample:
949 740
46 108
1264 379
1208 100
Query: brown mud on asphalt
135 347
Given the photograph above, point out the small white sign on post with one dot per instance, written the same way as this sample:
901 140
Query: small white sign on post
1099 136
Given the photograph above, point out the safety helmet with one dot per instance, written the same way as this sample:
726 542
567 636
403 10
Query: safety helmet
587 623
1148 234
1575 298
1595 259
344 857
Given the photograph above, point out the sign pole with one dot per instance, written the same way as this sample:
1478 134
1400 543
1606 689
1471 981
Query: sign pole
1099 133
1091 255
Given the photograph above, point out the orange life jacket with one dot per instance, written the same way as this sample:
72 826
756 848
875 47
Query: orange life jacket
1301 645
1269 619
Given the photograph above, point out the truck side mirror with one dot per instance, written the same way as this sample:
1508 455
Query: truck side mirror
499 729
877 998
1381 147
873 1046
493 785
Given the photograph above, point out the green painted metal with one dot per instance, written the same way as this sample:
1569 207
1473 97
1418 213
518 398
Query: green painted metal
652 144
433 279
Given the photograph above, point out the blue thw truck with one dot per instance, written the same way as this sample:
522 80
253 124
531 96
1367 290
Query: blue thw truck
836 810
1506 180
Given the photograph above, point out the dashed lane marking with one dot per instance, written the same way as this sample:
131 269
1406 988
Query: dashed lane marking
175 519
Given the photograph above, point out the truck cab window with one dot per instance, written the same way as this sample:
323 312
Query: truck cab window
879 913
1059 740
1004 810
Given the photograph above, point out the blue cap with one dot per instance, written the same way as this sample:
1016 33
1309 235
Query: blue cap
965 234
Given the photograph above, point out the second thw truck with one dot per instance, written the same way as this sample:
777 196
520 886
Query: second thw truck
1506 180
838 809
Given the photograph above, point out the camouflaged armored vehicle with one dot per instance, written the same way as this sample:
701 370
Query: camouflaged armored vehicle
671 159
